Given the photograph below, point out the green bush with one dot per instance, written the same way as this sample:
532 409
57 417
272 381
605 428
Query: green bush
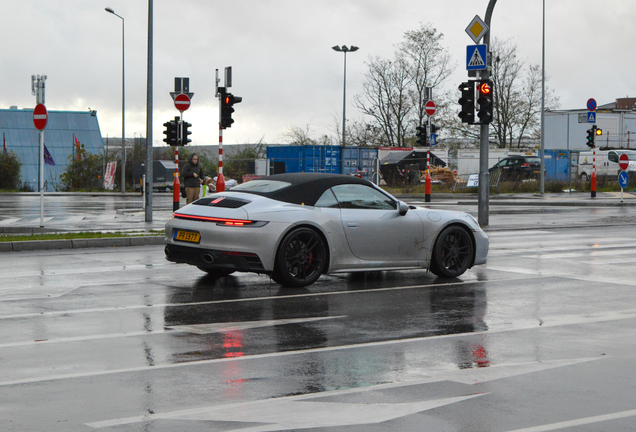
84 174
10 171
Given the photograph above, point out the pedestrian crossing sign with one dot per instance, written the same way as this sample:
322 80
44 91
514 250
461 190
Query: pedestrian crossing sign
476 57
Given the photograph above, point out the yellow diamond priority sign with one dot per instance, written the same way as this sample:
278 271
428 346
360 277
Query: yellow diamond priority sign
477 29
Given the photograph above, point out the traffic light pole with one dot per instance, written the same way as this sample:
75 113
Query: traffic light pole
484 175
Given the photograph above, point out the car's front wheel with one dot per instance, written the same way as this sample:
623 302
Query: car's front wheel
452 253
301 258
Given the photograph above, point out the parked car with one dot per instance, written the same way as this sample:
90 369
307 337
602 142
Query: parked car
296 227
514 168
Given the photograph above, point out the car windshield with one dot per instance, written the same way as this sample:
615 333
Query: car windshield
630 154
262 186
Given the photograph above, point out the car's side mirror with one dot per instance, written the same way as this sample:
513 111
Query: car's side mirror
402 208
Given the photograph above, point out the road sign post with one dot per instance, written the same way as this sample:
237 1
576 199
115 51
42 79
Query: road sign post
623 177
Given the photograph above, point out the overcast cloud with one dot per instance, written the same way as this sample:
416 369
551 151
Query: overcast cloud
280 51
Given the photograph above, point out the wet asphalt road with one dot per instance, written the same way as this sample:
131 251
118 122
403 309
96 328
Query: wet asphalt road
541 338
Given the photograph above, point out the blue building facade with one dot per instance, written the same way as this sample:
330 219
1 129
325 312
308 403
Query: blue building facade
22 138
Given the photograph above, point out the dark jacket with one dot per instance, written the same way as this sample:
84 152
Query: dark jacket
188 171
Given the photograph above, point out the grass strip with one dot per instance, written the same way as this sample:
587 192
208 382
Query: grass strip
75 235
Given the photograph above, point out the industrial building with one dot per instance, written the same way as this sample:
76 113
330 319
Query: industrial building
63 130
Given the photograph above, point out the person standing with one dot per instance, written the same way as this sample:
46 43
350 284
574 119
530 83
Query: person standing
193 178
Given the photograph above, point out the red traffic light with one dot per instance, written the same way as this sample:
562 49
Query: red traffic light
484 88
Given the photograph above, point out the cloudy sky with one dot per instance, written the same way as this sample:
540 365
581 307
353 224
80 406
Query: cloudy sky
280 51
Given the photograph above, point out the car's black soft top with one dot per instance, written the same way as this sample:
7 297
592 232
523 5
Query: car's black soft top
306 188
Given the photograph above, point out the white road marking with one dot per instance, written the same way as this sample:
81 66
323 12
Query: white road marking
604 278
579 422
526 325
7 222
203 329
243 300
295 412
291 414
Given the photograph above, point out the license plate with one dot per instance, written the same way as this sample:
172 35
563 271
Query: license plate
187 236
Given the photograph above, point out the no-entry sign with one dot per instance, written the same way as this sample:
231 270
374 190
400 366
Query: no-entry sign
623 161
40 116
182 102
430 107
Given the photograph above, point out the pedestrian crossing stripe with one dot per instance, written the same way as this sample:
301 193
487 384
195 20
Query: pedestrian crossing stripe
476 59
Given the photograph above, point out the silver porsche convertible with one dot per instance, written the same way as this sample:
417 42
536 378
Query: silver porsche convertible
295 227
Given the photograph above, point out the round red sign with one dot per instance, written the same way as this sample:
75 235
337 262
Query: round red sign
430 107
623 161
40 116
182 102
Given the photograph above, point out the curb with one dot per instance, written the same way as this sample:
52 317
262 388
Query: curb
32 245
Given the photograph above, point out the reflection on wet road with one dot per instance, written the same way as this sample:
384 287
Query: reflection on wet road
137 343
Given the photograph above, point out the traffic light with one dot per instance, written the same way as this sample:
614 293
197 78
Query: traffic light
598 131
185 132
421 136
434 129
590 137
171 133
484 100
467 101
227 100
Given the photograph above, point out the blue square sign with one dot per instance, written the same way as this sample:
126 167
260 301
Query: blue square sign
476 57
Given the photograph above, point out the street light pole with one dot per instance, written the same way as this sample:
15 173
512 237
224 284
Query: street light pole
345 50
123 103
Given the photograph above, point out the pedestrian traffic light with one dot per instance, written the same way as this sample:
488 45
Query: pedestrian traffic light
590 137
484 101
467 102
227 100
171 133
421 136
185 132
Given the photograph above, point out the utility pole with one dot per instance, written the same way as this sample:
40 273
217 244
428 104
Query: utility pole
484 175
149 151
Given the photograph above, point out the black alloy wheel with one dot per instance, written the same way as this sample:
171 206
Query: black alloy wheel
301 258
453 252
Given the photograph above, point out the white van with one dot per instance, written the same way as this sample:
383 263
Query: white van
606 163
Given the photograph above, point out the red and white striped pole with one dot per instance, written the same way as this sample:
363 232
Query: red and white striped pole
176 185
427 177
220 181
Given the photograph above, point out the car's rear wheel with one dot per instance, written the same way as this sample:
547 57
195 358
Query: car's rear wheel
452 253
301 258
584 177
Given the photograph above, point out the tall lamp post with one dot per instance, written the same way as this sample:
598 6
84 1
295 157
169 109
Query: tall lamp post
345 50
123 104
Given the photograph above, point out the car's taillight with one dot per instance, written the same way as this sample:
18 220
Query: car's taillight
220 221
525 165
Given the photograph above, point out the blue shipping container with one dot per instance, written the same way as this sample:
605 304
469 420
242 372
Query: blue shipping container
325 159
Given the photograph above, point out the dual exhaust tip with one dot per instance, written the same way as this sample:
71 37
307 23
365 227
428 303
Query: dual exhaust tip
207 258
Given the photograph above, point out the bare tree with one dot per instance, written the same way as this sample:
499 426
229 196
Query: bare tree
428 65
394 91
295 135
385 98
517 96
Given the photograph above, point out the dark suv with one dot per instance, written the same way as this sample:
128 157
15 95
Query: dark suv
518 168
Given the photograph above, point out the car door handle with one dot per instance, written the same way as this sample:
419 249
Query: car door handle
353 224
